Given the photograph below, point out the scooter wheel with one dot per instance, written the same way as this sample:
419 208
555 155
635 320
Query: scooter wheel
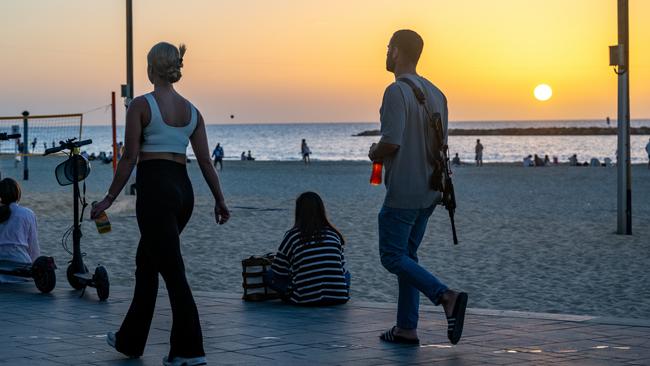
74 281
101 282
44 275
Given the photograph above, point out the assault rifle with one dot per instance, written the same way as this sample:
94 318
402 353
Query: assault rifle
438 156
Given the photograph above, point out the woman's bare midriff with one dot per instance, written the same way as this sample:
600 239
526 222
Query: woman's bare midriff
179 158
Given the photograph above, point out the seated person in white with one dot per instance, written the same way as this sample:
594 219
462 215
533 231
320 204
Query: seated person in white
18 237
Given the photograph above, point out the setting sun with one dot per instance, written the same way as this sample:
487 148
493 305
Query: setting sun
543 92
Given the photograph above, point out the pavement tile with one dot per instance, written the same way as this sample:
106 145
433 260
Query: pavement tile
64 329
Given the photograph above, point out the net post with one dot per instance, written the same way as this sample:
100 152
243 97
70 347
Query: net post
25 150
113 124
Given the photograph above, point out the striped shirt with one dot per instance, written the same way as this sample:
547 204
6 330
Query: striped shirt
315 269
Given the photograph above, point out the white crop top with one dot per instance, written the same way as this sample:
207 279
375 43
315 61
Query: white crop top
161 137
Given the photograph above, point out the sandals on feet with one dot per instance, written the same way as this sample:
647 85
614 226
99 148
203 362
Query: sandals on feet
457 318
389 336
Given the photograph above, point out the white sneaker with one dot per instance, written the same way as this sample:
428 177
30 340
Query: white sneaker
181 361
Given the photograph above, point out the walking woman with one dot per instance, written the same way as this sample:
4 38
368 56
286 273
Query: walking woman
159 126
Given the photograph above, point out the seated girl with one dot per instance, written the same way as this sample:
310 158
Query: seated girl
18 238
309 267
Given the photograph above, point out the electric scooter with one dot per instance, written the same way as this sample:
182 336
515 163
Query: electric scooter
72 171
42 270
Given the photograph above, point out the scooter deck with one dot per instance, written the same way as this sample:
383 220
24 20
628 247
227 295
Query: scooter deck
84 276
15 268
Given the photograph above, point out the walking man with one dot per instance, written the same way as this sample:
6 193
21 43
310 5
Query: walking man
647 150
217 154
479 153
305 151
410 198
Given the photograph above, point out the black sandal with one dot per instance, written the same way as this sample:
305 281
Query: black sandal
457 319
389 336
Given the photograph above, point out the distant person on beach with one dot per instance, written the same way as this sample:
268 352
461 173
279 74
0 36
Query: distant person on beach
309 267
547 161
18 231
528 161
19 153
647 150
607 162
157 135
594 162
573 160
218 154
120 150
34 142
53 145
243 156
249 156
479 153
44 145
456 160
410 199
538 161
305 151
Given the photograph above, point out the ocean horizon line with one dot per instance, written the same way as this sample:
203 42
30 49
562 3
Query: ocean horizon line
573 120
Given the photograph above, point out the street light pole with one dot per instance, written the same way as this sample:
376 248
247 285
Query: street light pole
620 57
127 90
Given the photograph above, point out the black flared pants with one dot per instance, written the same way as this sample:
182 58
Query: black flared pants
163 207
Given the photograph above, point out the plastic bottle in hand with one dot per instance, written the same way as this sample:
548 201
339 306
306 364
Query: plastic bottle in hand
375 177
103 225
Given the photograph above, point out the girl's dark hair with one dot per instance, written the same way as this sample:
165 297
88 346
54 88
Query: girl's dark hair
311 218
9 191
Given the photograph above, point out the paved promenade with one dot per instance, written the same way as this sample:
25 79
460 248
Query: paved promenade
62 328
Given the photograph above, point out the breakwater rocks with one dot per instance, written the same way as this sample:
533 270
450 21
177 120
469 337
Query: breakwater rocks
533 131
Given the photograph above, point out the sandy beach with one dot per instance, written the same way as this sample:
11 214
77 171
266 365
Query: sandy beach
531 239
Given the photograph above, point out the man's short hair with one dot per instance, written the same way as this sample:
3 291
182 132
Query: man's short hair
409 43
9 191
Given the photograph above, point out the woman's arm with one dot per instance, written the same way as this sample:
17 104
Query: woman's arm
129 158
199 140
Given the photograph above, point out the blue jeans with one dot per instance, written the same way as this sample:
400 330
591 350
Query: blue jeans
400 234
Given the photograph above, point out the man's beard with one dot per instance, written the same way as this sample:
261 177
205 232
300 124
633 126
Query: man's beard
390 64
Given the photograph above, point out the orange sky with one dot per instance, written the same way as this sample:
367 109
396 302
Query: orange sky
323 61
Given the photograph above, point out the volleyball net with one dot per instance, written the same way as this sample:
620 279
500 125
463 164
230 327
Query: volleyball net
39 132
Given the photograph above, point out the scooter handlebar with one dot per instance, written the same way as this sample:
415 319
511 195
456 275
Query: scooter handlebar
4 136
67 146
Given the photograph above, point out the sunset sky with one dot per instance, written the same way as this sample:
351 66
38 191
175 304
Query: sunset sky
324 61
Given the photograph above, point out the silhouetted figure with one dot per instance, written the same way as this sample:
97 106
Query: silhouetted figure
647 150
479 153
573 160
456 160
538 161
243 156
218 154
528 161
547 161
305 151
249 156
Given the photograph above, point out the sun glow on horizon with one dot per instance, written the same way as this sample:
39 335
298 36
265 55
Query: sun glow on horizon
543 92
324 61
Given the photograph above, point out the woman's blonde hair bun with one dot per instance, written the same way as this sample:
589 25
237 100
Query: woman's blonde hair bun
166 61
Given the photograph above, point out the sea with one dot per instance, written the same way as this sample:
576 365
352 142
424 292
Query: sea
336 141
